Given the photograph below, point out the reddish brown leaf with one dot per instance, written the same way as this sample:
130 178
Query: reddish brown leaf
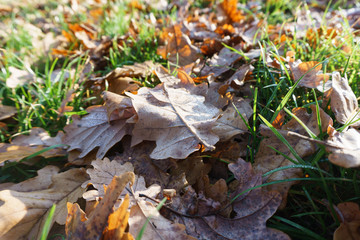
178 48
80 227
311 78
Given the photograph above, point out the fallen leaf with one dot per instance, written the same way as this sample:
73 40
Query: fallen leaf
38 136
230 122
344 103
96 130
15 153
80 227
349 227
7 111
267 159
105 170
346 151
154 171
118 222
231 11
24 211
177 120
19 77
311 78
157 227
178 48
251 209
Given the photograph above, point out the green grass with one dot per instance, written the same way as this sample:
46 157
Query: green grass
308 214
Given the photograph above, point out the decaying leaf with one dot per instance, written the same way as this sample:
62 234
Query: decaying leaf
176 120
80 227
344 103
267 159
346 152
96 130
178 48
121 79
350 222
37 137
158 227
154 171
7 111
117 223
25 205
25 145
252 210
105 170
19 77
311 78
230 122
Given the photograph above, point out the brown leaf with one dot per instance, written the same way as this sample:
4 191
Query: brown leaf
221 62
230 123
157 226
105 170
117 223
177 120
38 136
19 77
344 103
266 159
121 79
154 171
178 48
15 153
31 203
315 78
349 228
251 209
96 130
238 78
346 151
230 9
7 111
78 227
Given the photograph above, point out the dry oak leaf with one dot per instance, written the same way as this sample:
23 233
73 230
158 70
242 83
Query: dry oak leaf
121 79
79 227
177 120
344 103
16 153
26 145
96 130
105 170
38 136
253 208
311 78
154 171
230 122
350 222
7 111
24 211
178 48
267 159
118 222
157 227
19 77
231 11
346 152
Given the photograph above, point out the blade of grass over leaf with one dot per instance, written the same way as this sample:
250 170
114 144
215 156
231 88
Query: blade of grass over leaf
283 140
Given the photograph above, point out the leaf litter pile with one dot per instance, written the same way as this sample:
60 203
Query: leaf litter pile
176 145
